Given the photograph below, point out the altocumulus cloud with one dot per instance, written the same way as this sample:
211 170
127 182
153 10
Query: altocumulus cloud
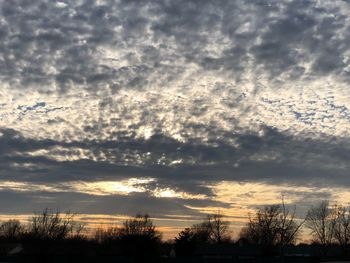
167 99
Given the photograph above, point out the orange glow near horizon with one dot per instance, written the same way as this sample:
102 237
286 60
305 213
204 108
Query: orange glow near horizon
236 200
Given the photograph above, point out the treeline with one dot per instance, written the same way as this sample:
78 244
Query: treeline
273 228
270 229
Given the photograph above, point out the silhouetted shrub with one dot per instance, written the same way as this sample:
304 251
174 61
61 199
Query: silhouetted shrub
272 228
214 229
106 235
139 238
49 225
185 243
11 230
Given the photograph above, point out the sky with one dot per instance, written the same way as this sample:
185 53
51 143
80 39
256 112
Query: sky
173 108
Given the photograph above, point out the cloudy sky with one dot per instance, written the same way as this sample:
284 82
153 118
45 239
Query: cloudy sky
175 108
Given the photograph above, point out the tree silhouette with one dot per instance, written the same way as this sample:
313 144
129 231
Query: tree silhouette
11 230
342 228
289 229
140 225
219 227
321 220
49 225
106 235
139 238
214 229
185 243
262 229
272 227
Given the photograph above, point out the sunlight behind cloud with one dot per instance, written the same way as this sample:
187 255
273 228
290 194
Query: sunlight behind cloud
124 187
103 188
170 193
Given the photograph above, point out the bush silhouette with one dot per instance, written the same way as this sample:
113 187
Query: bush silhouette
54 226
11 230
138 238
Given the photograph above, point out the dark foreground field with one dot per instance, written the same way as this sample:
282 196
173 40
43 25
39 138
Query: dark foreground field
88 251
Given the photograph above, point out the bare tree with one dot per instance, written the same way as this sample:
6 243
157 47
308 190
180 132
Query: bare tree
139 237
11 229
289 225
321 220
214 229
219 227
289 228
53 225
271 227
140 225
342 227
263 227
202 232
105 235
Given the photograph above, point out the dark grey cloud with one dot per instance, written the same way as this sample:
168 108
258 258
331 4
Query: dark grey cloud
13 202
273 157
